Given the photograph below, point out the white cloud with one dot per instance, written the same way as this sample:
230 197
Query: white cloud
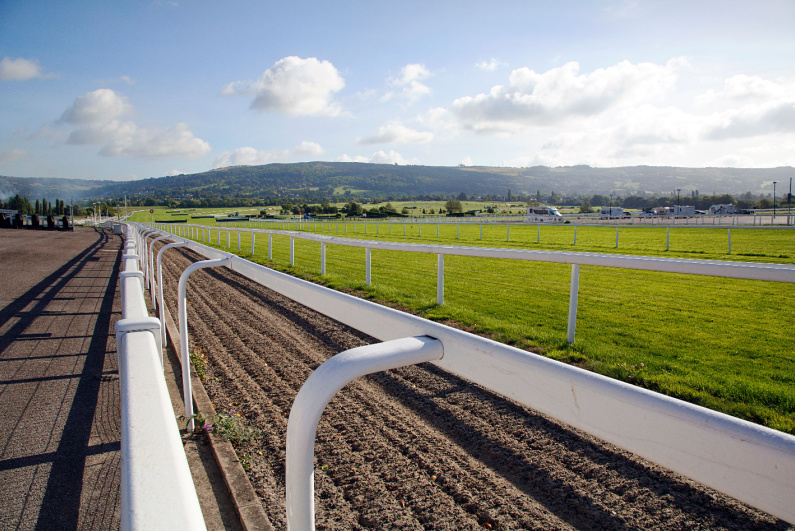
294 86
393 157
379 157
408 83
748 155
396 134
467 161
348 158
560 94
733 160
99 106
309 148
754 120
11 155
249 156
176 141
96 116
744 88
20 69
491 66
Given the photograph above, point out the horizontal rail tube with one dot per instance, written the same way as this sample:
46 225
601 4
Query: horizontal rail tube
156 483
717 268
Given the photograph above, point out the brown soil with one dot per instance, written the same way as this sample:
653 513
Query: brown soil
419 448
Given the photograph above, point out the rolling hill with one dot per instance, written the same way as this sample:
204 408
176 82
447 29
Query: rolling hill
313 180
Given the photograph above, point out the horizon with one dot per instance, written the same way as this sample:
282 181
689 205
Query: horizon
157 88
118 181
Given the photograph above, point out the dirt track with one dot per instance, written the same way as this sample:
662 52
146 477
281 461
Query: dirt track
418 448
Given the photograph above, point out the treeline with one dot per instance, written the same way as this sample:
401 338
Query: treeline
43 207
700 202
314 202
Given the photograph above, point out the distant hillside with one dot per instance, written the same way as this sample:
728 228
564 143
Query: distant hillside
313 180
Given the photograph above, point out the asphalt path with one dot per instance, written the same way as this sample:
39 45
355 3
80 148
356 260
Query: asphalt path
59 395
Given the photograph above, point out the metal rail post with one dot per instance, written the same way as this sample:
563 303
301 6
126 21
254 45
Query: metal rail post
151 267
367 266
160 300
145 233
312 399
145 240
187 391
573 293
439 279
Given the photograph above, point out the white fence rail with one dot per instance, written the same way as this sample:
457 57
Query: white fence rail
157 490
749 462
716 268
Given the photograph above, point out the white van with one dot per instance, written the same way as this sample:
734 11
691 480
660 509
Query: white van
543 214
611 213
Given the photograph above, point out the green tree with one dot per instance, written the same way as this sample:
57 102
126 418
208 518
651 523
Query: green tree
453 205
764 203
354 209
586 207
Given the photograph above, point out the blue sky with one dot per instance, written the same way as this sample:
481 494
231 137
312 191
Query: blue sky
130 90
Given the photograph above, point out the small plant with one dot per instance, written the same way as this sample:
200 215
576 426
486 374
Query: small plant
198 418
231 426
199 362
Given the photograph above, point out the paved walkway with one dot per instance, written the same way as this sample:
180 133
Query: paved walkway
59 393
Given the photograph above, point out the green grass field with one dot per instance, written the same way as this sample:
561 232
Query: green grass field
722 343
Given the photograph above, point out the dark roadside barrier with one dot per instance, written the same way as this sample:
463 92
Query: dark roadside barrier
19 221
5 221
65 223
50 222
35 221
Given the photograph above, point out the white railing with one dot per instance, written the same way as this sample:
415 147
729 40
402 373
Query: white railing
750 462
716 268
157 488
